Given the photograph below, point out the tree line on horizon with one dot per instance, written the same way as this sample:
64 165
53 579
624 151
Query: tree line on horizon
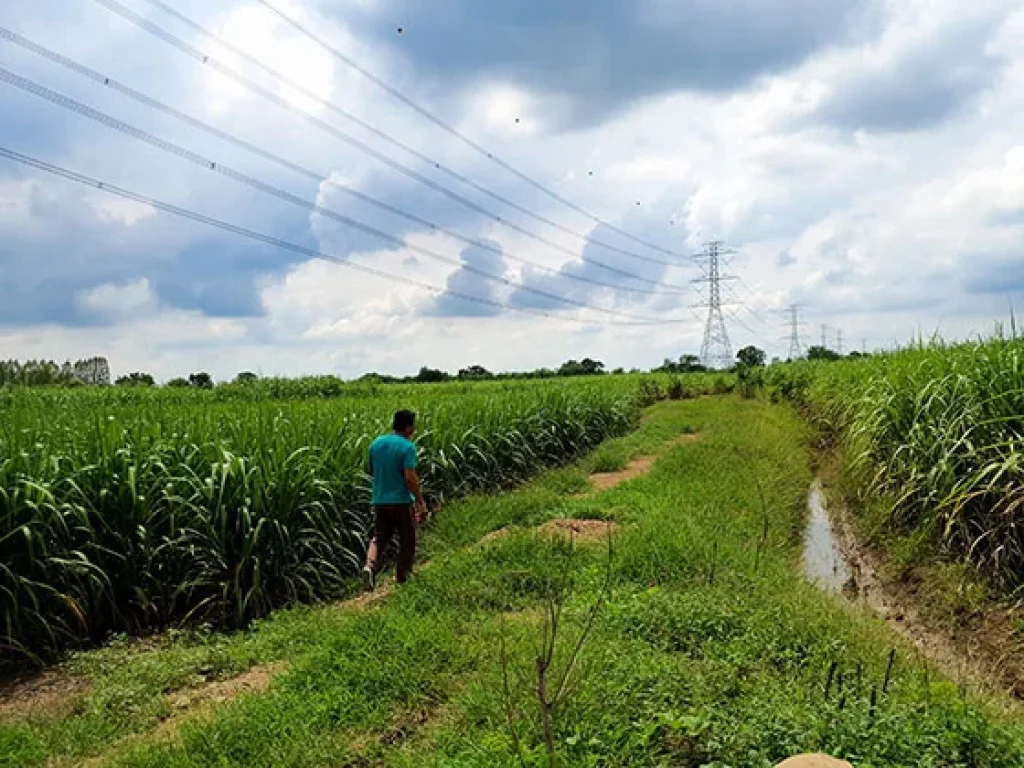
93 371
96 371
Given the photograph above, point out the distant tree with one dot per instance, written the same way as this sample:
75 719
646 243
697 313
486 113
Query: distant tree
178 383
377 378
686 364
31 373
751 356
822 353
690 364
41 373
245 377
201 380
135 379
584 367
618 371
431 374
475 373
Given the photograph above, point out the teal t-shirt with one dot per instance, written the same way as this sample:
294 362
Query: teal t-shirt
390 456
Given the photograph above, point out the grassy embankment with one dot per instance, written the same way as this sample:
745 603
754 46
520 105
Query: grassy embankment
929 443
695 659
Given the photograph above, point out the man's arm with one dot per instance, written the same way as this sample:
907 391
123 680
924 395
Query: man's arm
412 482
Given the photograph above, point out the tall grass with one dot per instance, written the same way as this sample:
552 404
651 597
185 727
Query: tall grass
939 428
129 510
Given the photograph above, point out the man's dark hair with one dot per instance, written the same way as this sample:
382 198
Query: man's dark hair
403 420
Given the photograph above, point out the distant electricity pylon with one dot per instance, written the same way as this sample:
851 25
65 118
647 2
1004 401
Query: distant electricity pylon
795 349
839 341
715 350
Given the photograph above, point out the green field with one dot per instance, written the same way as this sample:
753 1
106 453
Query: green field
709 650
128 509
182 511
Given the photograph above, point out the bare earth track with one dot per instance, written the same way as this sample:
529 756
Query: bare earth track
53 693
604 481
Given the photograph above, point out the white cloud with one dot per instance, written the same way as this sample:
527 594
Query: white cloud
878 211
15 201
258 33
995 190
322 300
121 211
511 112
127 301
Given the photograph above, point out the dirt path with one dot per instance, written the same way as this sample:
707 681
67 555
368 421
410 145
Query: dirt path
603 481
254 679
578 529
198 702
53 693
193 704
642 465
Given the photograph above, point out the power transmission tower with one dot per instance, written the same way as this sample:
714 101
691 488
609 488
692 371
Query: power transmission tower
715 350
839 341
795 349
824 336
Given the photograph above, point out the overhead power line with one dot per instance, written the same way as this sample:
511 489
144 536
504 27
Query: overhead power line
211 61
734 315
273 241
268 189
446 126
742 306
70 64
750 310
757 335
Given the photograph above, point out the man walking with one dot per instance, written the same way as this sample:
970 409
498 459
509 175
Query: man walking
396 488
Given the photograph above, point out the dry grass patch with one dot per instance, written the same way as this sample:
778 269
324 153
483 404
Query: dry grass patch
50 694
254 680
580 530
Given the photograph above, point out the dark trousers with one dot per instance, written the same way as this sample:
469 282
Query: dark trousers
389 520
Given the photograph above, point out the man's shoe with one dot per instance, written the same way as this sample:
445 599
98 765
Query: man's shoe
369 579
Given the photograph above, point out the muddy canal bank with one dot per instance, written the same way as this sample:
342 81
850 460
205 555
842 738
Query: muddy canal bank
974 655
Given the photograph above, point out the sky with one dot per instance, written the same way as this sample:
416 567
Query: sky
861 159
